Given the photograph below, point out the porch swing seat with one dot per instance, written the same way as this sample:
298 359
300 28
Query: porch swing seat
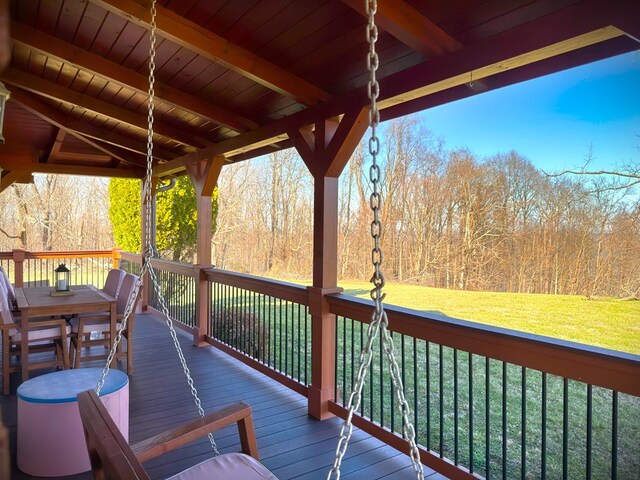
113 458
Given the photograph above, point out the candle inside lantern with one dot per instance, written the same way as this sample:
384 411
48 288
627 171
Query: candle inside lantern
62 285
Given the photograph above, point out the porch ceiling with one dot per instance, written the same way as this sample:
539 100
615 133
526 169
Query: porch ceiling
235 78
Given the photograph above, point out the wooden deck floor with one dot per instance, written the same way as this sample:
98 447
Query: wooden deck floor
292 445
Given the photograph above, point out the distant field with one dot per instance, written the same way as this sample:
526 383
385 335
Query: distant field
605 322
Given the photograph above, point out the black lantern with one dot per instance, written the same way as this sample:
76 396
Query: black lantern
63 278
4 96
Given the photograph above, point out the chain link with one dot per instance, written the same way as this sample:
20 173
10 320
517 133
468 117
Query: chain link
379 321
148 252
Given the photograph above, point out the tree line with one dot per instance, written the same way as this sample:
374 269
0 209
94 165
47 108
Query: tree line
451 220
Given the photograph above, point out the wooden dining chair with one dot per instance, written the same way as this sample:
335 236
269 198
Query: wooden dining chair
83 325
44 336
113 458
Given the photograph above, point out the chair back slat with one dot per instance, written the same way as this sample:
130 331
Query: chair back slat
126 290
110 455
5 309
113 282
7 286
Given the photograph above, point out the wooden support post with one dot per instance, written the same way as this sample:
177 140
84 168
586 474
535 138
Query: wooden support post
204 176
325 153
146 291
18 267
116 255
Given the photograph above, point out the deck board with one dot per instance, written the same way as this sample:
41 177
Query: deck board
292 444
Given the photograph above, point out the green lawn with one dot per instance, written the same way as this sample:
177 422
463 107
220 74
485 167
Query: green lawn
605 322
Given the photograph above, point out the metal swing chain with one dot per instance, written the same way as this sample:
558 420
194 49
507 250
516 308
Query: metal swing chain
148 249
379 321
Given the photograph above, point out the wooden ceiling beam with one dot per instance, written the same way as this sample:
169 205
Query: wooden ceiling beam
409 26
51 90
10 177
42 111
25 166
217 49
111 71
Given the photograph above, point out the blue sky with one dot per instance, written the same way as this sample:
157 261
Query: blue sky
552 120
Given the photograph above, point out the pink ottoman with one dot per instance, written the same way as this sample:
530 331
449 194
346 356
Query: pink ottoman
50 436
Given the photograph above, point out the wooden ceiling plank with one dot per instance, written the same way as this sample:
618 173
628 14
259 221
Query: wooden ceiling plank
34 106
61 93
112 71
216 48
409 26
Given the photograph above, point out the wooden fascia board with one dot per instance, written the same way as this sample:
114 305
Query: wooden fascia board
57 144
574 27
111 71
83 171
409 26
55 118
199 40
51 90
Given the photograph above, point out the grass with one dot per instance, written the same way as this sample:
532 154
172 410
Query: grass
604 322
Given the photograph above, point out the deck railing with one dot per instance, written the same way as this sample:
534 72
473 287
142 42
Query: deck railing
35 269
486 402
495 403
264 322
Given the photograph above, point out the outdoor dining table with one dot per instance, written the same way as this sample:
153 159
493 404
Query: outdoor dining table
38 302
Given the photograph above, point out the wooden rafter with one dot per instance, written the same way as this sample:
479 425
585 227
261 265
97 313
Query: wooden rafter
55 118
111 71
56 145
409 26
215 48
14 176
60 93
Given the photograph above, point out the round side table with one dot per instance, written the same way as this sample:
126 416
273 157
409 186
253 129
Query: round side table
50 437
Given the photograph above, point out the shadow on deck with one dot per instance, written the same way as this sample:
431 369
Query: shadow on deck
292 444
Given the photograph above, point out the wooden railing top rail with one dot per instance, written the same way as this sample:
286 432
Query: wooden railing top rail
275 288
175 267
131 257
62 254
611 369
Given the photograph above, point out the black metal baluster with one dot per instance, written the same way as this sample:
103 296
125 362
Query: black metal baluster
270 363
523 421
306 349
455 406
504 420
428 392
543 445
565 428
441 399
614 436
335 373
344 357
470 412
299 337
352 354
487 415
286 333
280 335
415 387
589 428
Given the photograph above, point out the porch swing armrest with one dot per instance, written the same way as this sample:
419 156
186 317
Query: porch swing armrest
239 413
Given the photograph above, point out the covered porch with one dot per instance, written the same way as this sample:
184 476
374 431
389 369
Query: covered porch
248 81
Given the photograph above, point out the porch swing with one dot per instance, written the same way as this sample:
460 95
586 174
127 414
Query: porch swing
110 454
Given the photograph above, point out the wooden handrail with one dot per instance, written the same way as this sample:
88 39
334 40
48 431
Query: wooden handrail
131 257
275 288
606 368
175 267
